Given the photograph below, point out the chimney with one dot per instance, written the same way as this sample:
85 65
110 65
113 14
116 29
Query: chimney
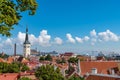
94 71
112 72
15 49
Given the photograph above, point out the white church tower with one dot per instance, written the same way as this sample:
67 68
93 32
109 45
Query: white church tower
26 45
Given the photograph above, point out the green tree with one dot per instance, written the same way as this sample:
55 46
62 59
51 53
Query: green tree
9 68
60 61
13 68
10 13
76 78
4 67
42 58
73 60
4 56
25 68
24 78
48 72
48 57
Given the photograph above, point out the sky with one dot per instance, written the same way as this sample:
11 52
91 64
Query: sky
69 26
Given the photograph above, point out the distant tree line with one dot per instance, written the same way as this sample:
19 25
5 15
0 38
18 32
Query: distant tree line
4 56
47 58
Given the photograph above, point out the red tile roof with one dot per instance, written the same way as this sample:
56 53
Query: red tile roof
2 60
9 76
102 77
102 67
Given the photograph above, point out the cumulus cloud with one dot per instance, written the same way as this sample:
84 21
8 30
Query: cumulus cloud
108 36
21 37
58 40
80 40
93 33
86 38
8 42
44 38
70 38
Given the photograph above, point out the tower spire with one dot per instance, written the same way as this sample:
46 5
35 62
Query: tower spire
26 37
26 45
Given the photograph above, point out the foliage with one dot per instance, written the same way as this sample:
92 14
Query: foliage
4 56
47 58
73 60
48 72
61 61
42 58
75 78
71 69
24 68
12 68
24 78
9 68
10 13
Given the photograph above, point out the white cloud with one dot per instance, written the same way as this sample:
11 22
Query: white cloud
44 38
79 39
86 38
58 40
33 39
70 38
108 36
93 36
20 37
8 41
93 33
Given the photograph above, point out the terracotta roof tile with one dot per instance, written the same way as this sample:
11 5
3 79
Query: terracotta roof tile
102 67
9 76
102 77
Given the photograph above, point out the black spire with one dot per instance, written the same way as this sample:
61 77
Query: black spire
26 37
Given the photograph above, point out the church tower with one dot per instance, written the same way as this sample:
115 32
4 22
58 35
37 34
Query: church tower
26 45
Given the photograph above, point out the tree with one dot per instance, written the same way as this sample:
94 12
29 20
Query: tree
25 68
75 78
10 13
9 68
4 56
42 58
24 78
13 68
73 60
60 61
48 72
48 57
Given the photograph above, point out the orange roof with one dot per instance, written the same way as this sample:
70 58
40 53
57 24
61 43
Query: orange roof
10 59
102 77
9 76
102 67
2 60
24 61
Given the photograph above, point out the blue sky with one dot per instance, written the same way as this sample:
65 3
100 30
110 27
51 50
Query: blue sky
77 18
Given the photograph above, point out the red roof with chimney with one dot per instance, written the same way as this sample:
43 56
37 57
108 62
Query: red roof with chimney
102 67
